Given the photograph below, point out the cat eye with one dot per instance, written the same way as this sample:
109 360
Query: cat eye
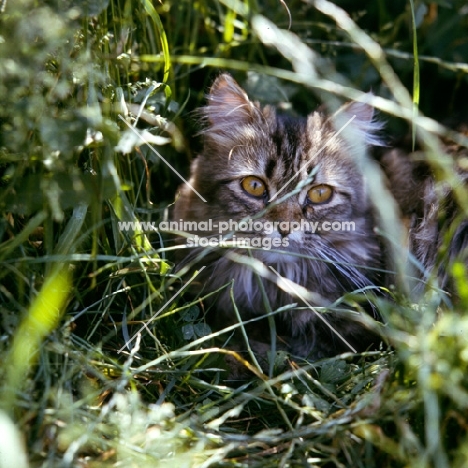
253 186
320 194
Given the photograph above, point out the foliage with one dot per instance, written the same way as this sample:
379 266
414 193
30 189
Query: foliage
104 362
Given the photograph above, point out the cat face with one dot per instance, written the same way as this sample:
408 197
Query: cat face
296 180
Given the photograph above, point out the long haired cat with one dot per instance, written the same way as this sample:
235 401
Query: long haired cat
283 172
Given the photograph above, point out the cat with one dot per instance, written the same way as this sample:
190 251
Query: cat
282 171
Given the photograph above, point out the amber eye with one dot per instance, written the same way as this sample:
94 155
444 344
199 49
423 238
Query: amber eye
253 186
320 194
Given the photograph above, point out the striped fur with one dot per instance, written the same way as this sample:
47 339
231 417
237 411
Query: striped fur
243 139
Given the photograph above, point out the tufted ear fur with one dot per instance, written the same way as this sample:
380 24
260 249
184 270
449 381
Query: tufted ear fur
228 103
364 124
228 110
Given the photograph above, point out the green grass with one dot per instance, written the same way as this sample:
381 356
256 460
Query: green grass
101 365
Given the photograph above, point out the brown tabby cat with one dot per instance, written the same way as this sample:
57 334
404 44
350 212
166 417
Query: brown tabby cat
250 154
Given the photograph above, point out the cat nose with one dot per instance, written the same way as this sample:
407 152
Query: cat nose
284 230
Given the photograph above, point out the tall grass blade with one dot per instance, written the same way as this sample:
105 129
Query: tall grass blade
416 78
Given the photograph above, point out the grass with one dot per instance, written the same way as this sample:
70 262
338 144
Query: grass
103 363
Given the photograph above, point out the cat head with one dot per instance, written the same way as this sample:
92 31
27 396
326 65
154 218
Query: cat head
279 169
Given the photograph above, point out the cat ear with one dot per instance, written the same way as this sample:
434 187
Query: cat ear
363 121
228 105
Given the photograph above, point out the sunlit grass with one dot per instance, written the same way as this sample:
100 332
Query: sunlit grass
104 361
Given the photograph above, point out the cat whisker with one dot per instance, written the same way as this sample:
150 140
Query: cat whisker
360 281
